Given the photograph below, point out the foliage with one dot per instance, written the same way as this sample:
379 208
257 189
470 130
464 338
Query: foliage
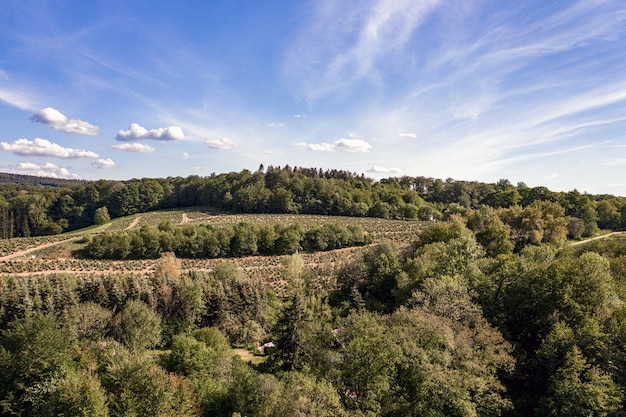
206 241
138 327
485 314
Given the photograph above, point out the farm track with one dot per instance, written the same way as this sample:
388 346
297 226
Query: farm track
597 238
28 251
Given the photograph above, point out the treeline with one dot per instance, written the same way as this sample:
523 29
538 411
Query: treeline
444 328
206 241
35 210
21 179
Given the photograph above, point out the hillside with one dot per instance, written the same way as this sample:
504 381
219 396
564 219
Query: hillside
448 297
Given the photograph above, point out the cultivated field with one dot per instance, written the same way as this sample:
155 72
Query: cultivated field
61 253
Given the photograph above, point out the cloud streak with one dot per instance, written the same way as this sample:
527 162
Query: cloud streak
58 121
344 42
16 99
43 147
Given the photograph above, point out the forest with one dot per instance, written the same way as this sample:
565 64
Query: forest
490 310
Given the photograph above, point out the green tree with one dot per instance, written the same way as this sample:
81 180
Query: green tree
78 394
290 334
138 387
578 389
33 351
138 326
245 240
101 216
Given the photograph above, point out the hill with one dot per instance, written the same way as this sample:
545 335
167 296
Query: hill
20 179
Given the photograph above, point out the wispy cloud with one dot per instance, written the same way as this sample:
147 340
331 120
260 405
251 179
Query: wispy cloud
17 99
224 143
46 170
43 147
58 121
616 162
138 132
344 43
276 125
408 135
343 144
134 147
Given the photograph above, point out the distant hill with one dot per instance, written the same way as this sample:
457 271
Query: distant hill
35 180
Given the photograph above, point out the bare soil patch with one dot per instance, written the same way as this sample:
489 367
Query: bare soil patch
133 223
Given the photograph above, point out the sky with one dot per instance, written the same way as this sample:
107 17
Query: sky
476 90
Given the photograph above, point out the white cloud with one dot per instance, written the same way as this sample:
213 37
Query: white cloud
224 143
46 170
276 125
299 115
134 147
343 144
104 163
407 135
185 155
266 151
382 170
43 147
137 132
58 121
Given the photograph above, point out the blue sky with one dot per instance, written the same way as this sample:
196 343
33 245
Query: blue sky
531 91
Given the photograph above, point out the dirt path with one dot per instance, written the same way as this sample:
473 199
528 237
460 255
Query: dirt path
36 248
596 238
185 219
133 223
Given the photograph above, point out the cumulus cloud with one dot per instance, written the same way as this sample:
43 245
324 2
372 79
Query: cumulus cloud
137 132
134 147
43 147
58 121
104 163
343 144
407 135
276 125
224 143
382 170
46 170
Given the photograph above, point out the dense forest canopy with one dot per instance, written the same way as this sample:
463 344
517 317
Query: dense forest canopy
487 312
35 210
